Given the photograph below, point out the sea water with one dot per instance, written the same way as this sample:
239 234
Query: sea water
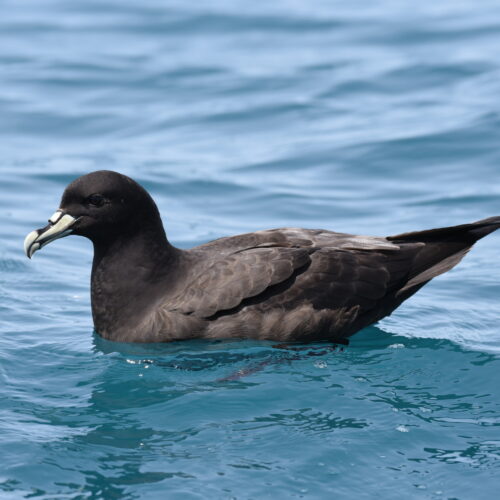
364 117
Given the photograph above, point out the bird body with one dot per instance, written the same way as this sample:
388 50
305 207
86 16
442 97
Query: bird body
287 284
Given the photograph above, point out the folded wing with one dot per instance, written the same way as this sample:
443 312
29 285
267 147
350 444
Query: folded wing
231 279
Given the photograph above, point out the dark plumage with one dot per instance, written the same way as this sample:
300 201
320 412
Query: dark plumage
282 284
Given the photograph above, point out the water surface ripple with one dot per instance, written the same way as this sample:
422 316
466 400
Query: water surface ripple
239 116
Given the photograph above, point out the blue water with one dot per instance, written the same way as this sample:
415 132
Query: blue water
373 118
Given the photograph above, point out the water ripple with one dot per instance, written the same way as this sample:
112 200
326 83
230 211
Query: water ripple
239 116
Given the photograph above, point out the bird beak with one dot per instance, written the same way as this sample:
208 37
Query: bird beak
59 226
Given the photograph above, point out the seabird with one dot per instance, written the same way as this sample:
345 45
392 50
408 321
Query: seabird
287 284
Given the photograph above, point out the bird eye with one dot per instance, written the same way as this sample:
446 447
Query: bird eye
96 200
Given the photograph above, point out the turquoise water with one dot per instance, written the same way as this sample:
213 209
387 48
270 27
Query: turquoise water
373 118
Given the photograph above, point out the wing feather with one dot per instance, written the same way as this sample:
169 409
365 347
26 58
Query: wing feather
231 279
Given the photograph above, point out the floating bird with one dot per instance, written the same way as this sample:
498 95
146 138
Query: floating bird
287 284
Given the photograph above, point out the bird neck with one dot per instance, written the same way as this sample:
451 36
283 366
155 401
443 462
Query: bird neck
129 275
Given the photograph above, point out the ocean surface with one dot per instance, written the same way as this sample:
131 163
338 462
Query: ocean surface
364 117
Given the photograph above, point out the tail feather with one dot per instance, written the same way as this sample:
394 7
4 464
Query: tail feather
471 232
435 270
439 250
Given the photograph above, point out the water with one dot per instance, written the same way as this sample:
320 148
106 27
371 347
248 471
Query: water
237 116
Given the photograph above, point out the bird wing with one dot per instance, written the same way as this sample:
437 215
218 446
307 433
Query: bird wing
349 281
343 279
341 268
294 237
229 279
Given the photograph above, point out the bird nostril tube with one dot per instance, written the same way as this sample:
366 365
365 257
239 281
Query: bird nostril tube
55 218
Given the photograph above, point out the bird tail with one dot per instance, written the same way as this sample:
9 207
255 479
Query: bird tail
439 250
471 232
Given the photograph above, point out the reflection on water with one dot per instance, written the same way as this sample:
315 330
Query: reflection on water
163 413
168 415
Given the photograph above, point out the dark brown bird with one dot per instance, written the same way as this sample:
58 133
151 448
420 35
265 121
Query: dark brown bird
286 284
